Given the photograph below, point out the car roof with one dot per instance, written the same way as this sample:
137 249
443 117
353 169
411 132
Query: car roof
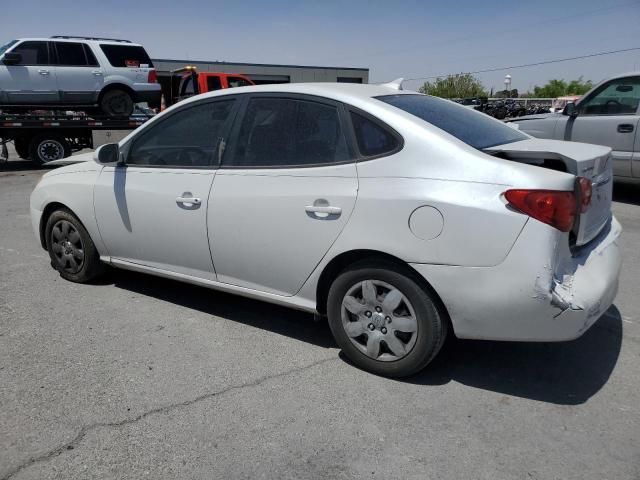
345 92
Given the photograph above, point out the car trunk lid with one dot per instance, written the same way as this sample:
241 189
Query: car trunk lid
592 162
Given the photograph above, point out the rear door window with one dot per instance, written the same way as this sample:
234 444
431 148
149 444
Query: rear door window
287 132
126 55
473 128
70 54
33 53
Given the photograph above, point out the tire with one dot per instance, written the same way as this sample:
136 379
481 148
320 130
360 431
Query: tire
116 103
47 148
400 352
72 252
22 148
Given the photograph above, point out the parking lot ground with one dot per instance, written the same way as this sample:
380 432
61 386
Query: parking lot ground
140 377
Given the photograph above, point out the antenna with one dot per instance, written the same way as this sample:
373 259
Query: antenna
395 84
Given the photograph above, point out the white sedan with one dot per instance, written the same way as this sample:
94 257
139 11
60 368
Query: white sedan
400 216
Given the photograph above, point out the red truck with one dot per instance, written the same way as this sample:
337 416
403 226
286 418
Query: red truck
193 82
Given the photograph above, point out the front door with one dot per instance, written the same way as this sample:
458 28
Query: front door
153 211
33 80
285 191
610 117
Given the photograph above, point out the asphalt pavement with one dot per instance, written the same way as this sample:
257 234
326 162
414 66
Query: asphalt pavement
139 377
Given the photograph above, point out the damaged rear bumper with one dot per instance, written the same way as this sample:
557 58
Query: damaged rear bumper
541 292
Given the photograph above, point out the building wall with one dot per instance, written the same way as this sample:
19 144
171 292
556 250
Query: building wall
265 73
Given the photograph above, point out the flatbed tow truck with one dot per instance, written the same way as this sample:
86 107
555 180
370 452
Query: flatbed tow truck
45 136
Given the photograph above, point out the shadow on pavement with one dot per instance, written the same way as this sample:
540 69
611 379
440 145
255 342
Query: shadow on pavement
283 321
566 373
626 192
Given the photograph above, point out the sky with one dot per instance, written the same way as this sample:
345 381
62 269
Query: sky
393 38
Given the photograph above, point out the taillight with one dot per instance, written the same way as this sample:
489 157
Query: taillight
553 207
586 191
153 77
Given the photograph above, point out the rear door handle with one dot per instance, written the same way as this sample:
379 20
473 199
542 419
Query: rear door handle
625 128
43 72
97 73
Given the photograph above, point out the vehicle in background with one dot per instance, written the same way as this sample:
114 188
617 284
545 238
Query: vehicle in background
65 72
352 201
560 103
609 114
193 82
46 136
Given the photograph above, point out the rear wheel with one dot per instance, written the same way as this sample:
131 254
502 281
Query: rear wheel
47 148
71 249
116 103
383 320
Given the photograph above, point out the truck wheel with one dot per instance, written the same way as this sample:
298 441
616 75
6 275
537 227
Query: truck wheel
116 103
22 148
47 148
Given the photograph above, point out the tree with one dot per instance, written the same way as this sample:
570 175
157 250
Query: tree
559 88
462 85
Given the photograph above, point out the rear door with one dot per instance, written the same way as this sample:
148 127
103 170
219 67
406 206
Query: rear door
610 117
153 211
80 78
285 191
33 80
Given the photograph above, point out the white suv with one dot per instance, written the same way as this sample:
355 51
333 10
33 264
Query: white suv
72 72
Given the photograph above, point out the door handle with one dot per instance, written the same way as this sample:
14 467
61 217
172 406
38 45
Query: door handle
188 200
323 209
625 128
97 73
43 72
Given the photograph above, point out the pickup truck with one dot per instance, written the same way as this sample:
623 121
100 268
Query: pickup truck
193 82
609 114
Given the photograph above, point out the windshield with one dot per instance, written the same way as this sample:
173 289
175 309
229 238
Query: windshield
6 46
473 128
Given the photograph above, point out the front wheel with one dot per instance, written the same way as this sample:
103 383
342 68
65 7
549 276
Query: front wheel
71 249
384 321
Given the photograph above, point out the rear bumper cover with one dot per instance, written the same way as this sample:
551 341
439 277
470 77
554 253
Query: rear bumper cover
532 295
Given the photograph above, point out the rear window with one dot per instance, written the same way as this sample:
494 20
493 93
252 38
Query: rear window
473 128
126 55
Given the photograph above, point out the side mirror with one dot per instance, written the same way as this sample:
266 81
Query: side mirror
107 154
11 58
570 110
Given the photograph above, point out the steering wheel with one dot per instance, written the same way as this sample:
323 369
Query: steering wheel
192 156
